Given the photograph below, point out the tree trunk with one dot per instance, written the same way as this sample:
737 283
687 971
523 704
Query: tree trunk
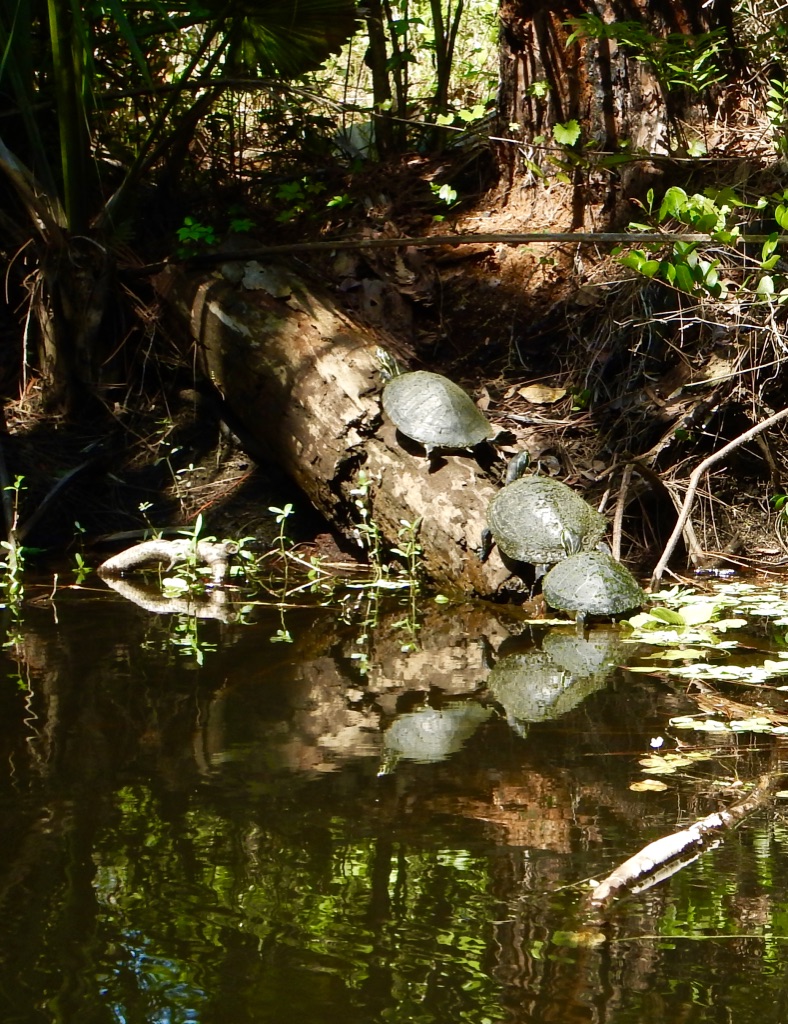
616 82
305 383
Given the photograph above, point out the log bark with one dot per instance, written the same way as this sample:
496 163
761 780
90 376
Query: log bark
305 384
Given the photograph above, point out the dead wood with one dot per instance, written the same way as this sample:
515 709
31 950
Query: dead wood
667 855
692 487
305 382
215 555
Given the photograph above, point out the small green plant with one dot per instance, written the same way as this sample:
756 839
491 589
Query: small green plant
241 225
686 267
444 194
81 569
13 562
298 198
187 577
409 550
367 531
281 515
678 60
566 134
777 112
194 237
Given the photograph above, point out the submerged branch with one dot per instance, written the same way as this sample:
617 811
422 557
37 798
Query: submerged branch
667 855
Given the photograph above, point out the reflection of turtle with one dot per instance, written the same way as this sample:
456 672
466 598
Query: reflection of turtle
428 735
540 685
592 583
434 411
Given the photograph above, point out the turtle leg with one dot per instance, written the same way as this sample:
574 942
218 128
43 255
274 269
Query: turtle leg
484 549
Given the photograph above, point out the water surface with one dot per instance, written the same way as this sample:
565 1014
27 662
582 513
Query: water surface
362 825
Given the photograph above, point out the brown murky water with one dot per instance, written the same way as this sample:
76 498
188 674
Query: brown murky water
342 829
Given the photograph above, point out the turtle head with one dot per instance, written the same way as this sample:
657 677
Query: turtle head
571 541
389 367
518 464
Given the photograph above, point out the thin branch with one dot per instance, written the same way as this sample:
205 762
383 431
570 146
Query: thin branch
694 480
531 237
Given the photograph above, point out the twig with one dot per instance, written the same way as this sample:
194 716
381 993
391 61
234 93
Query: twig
694 480
618 517
521 238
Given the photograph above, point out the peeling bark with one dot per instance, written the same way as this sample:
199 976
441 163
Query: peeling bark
305 383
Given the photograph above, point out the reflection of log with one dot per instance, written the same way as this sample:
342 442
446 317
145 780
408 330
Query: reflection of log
173 552
305 383
212 606
664 856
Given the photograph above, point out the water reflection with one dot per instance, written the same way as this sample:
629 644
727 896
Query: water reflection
539 683
213 843
431 735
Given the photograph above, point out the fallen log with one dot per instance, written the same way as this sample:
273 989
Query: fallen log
305 384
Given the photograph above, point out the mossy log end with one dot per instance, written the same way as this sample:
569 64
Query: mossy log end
305 383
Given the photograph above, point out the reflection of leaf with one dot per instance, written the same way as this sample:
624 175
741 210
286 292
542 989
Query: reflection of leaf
574 939
648 785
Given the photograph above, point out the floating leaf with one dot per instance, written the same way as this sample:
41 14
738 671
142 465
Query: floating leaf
695 614
678 654
667 615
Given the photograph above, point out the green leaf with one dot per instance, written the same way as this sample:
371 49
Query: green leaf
684 278
667 615
673 202
566 134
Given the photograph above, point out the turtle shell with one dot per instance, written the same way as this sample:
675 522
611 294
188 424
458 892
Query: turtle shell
541 520
592 583
434 411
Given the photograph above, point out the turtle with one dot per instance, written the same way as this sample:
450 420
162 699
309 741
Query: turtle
434 411
540 520
592 583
